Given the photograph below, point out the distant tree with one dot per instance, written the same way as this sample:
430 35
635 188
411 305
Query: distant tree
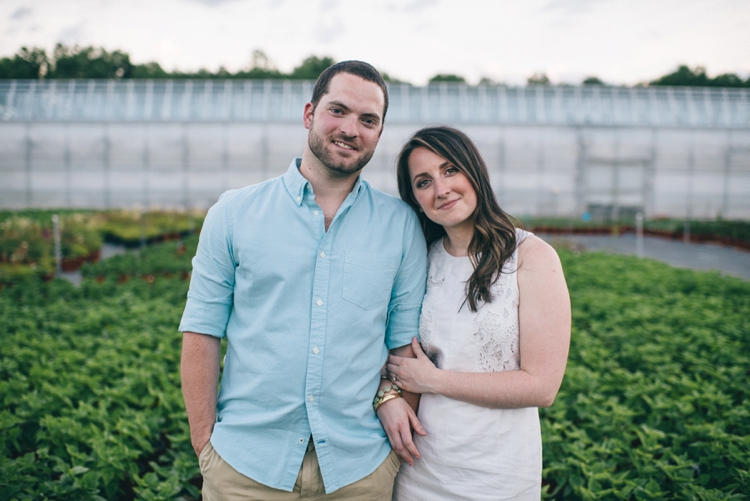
260 67
684 76
89 62
729 80
26 63
261 61
538 79
389 78
489 81
311 68
592 81
447 77
149 71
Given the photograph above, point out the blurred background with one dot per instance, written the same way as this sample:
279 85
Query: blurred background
598 109
615 125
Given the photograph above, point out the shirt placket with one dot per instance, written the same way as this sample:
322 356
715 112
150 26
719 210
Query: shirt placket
318 323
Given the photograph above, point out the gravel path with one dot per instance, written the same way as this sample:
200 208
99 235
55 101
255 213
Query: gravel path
726 260
708 256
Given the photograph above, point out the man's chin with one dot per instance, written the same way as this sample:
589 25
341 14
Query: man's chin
345 170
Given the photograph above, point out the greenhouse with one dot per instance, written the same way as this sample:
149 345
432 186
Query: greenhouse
680 152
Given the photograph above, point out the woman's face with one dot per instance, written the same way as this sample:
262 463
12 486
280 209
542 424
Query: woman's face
443 192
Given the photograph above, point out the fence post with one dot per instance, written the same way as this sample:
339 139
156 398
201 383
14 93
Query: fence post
58 247
639 234
143 229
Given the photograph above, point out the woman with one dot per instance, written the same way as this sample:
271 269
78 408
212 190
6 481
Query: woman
495 329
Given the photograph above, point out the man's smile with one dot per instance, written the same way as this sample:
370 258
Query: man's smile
344 145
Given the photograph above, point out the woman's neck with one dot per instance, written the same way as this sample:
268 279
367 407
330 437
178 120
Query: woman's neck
457 240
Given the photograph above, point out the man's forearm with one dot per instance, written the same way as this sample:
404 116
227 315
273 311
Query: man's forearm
199 371
411 398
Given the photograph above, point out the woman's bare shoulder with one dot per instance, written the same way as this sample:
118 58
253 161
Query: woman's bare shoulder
534 252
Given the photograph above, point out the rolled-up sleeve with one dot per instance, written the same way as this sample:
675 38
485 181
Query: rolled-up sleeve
408 288
210 297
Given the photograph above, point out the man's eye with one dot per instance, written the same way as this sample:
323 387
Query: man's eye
336 110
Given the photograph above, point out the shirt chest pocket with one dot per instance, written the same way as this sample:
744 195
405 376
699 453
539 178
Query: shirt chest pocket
368 278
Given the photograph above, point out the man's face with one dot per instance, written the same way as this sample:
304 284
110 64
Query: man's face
345 126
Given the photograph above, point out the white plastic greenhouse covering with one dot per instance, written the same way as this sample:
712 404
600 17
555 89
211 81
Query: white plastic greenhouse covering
551 150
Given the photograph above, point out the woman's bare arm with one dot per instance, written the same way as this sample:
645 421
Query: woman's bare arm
544 323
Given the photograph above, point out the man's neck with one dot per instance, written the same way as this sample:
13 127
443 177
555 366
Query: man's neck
330 191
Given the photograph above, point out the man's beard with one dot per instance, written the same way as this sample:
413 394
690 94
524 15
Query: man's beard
340 167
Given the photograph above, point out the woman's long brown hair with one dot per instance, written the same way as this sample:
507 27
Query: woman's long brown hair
494 239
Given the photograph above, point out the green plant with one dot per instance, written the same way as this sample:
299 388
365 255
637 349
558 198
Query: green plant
654 403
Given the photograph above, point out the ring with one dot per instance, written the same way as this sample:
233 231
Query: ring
394 378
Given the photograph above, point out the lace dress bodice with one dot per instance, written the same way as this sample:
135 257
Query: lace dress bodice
471 452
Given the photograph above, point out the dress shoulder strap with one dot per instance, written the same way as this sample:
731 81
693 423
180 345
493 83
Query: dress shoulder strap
521 235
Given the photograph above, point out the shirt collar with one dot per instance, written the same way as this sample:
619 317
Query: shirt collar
296 183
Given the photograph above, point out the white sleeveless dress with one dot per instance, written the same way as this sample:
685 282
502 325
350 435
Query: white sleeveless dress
471 453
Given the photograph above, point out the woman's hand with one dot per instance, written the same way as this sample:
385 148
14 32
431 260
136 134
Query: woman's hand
417 375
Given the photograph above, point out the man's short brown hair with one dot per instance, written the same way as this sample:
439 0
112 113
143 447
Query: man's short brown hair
361 69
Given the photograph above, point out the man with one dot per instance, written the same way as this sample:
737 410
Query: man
311 277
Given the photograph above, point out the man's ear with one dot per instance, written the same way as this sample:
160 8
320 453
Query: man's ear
307 115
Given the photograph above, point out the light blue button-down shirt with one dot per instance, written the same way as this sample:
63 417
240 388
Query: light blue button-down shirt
309 315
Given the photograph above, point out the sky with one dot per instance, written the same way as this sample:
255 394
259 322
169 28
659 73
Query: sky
622 42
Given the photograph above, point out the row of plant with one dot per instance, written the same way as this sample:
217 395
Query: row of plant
27 244
167 259
730 232
654 404
90 390
126 227
27 240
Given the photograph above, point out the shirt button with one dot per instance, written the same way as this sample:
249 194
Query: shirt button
316 350
301 440
319 302
322 254
315 212
311 398
299 198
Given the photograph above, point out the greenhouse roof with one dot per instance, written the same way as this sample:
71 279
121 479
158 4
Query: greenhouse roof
283 100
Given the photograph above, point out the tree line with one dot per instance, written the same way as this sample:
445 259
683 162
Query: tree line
66 62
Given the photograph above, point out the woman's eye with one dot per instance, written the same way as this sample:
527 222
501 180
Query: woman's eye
451 170
422 183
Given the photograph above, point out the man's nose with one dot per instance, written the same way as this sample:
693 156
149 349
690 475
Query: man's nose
348 126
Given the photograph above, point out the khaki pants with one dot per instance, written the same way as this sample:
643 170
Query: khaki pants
221 482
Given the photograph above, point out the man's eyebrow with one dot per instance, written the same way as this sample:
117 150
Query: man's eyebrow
338 104
341 105
372 115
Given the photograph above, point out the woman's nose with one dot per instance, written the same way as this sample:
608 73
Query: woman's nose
441 188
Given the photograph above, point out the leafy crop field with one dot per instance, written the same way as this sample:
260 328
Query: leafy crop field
654 404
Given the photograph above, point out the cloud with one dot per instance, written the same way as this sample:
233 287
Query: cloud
21 13
329 30
327 5
72 35
413 6
211 3
572 6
